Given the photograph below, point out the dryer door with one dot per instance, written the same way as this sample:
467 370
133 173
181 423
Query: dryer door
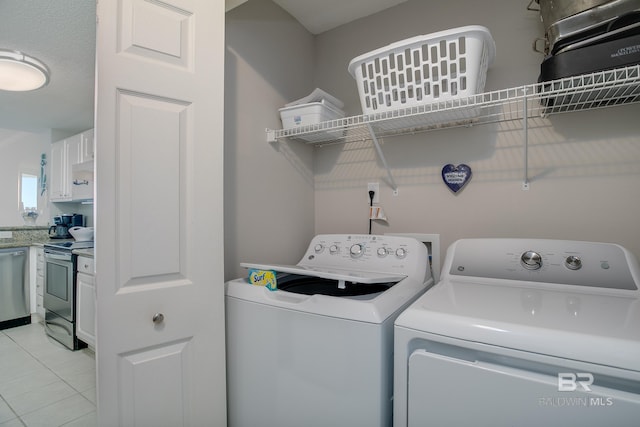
446 391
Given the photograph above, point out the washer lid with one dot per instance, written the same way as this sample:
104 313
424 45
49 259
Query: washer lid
330 273
580 325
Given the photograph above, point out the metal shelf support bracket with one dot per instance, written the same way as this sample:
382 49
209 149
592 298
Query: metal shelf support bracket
271 135
376 144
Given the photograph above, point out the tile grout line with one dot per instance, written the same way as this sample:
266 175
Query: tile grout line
19 417
44 364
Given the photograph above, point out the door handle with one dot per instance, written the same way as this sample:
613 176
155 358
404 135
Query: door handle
158 318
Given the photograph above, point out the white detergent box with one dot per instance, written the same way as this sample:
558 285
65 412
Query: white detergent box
309 114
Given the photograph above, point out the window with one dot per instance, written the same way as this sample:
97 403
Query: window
28 192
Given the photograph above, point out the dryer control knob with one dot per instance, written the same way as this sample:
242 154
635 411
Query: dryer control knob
573 262
382 252
318 248
333 249
531 260
356 250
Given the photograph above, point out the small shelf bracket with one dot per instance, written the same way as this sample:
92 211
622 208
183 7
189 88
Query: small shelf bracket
271 135
376 144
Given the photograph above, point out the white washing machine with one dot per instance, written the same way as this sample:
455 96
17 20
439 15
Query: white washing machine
523 332
318 351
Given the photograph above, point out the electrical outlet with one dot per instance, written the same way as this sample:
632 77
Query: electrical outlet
373 186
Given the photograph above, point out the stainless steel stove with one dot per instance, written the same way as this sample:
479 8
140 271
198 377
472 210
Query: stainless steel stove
60 291
68 245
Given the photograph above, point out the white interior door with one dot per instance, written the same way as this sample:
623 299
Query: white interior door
159 246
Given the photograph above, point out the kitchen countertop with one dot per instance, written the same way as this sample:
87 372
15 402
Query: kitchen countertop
15 245
86 252
20 244
27 236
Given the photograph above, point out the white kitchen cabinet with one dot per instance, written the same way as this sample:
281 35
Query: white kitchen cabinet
86 146
40 282
86 301
36 280
59 188
64 154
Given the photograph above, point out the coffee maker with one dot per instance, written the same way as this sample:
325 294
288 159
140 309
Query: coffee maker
60 227
77 220
62 224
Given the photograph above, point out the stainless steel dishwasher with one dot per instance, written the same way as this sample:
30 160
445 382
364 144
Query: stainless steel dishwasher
14 289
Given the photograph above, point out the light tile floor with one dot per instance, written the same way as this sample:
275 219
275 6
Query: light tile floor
42 383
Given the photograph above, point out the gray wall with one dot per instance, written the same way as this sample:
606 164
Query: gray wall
269 203
20 152
584 167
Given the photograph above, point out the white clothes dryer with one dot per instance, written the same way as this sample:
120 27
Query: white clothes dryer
523 332
318 351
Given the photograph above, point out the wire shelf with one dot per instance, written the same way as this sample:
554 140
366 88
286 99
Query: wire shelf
583 92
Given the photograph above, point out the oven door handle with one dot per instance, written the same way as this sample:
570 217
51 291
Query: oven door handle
57 256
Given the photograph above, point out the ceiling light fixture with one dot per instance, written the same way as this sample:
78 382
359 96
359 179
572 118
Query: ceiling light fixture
20 72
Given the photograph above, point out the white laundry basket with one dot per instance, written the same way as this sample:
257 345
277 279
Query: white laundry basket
424 69
304 116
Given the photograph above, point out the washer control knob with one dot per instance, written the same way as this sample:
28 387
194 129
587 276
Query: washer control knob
318 248
401 252
356 250
382 252
573 262
531 260
333 249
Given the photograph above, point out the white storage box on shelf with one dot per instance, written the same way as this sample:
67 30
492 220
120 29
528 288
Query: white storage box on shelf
424 70
304 116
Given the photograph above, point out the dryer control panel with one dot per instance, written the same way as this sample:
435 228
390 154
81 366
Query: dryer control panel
597 265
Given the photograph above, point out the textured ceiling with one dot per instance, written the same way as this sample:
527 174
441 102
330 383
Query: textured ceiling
319 16
60 33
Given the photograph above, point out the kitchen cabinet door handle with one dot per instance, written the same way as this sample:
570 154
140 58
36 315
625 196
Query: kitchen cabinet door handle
158 318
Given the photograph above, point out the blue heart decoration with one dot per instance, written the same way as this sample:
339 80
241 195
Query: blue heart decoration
456 177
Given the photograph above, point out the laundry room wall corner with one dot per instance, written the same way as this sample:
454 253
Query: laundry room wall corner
268 187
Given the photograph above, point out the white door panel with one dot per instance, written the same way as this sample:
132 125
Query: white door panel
149 374
159 131
158 31
152 146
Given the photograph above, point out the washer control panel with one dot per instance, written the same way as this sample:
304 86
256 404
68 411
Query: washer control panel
531 260
366 252
600 265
